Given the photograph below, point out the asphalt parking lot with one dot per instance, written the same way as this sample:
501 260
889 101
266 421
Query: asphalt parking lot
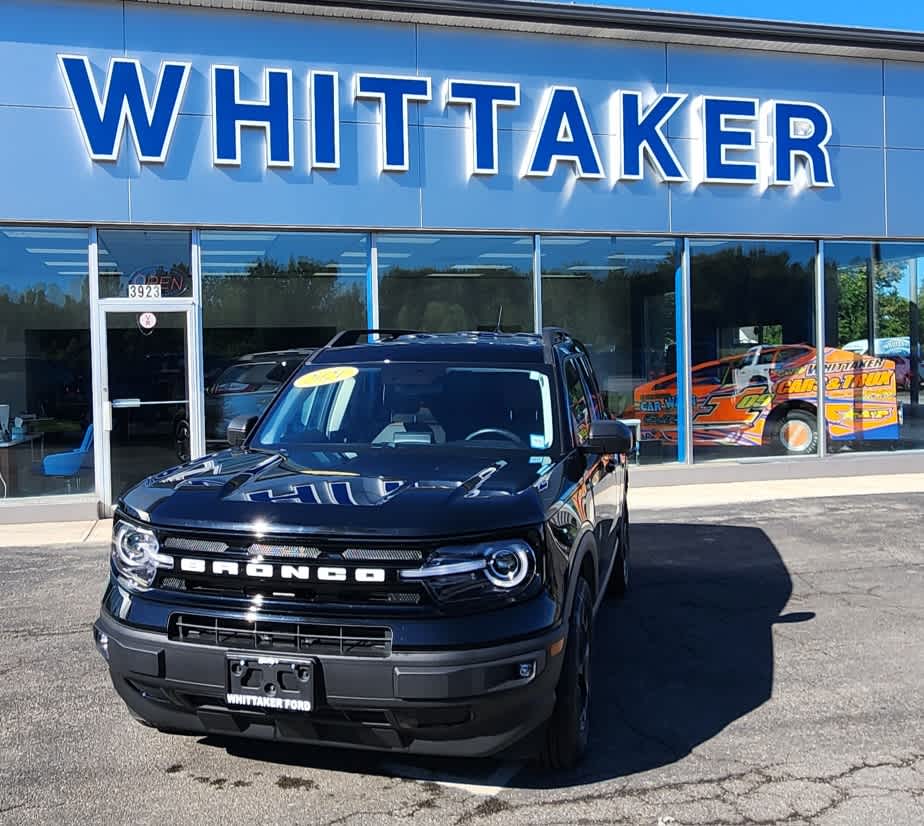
768 668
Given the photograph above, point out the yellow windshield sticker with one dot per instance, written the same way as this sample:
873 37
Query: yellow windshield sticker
327 375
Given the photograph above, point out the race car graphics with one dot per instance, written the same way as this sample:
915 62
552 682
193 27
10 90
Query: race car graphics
734 398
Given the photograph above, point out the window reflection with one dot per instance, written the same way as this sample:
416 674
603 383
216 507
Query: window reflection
442 283
617 296
133 258
872 294
269 299
753 349
45 381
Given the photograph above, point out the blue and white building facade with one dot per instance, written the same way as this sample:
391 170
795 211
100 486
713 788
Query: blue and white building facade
675 189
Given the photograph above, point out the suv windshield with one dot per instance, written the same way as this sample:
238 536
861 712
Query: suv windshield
388 405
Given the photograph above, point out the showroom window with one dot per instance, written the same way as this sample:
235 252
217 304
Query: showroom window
872 295
445 283
131 259
753 349
268 299
617 295
46 442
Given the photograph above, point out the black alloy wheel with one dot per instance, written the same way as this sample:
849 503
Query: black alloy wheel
568 729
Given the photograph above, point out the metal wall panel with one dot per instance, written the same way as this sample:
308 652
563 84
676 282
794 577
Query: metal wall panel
48 175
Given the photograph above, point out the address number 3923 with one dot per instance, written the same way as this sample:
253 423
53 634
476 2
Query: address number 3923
144 290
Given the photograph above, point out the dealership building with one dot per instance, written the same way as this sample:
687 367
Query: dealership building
195 192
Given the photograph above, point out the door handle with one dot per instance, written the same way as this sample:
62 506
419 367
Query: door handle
122 404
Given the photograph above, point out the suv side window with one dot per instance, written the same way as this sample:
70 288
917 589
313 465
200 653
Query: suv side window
578 404
597 405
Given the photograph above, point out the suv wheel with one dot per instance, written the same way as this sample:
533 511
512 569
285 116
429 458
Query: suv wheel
619 577
569 726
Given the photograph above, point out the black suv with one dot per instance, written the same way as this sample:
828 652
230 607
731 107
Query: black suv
405 551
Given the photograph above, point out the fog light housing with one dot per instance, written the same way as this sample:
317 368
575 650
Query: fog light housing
102 644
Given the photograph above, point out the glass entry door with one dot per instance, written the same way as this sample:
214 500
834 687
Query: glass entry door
146 393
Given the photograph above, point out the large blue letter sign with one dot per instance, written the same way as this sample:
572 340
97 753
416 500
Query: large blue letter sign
719 138
643 135
801 130
483 99
273 115
125 102
562 133
393 93
324 111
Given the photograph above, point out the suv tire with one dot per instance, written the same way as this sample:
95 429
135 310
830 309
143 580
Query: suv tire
568 728
619 576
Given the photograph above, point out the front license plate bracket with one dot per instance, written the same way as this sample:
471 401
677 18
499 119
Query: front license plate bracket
270 683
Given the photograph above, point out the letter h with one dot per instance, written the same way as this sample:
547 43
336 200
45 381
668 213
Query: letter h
273 115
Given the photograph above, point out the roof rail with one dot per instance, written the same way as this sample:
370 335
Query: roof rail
550 337
347 338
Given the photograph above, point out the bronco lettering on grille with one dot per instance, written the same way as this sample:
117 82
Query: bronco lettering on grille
263 570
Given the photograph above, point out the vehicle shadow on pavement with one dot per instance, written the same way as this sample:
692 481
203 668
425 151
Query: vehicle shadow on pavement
688 652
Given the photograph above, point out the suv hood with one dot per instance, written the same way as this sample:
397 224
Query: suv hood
377 491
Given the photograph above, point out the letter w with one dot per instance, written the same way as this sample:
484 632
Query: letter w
125 101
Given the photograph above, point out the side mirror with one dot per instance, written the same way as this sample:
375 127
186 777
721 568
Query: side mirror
238 429
609 436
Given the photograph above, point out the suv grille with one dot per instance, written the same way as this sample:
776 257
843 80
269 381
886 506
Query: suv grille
324 572
294 637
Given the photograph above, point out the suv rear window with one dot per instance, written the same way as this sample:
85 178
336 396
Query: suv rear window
252 377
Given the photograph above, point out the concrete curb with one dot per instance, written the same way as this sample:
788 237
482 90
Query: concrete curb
730 493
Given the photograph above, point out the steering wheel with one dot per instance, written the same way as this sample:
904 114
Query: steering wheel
501 432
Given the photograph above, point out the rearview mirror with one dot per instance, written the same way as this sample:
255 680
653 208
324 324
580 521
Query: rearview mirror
238 429
609 436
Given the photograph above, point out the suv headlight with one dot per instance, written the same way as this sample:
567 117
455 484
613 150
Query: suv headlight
504 568
136 554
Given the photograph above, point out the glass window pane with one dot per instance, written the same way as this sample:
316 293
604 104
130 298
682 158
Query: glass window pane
446 283
617 296
417 406
137 257
268 299
46 443
578 405
148 391
753 349
872 313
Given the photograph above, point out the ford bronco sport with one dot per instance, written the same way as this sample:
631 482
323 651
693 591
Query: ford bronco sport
404 551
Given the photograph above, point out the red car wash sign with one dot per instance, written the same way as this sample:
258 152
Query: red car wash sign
794 135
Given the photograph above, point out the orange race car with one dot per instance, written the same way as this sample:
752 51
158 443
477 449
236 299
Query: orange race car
767 397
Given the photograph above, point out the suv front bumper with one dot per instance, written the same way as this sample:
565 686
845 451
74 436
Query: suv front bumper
456 702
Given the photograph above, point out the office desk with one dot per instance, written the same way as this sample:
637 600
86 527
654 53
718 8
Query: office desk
8 469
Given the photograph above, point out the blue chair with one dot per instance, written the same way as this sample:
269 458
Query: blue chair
67 465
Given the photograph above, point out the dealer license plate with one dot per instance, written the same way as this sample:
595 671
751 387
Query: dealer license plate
270 683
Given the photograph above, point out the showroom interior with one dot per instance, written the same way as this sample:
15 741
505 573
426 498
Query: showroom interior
229 296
